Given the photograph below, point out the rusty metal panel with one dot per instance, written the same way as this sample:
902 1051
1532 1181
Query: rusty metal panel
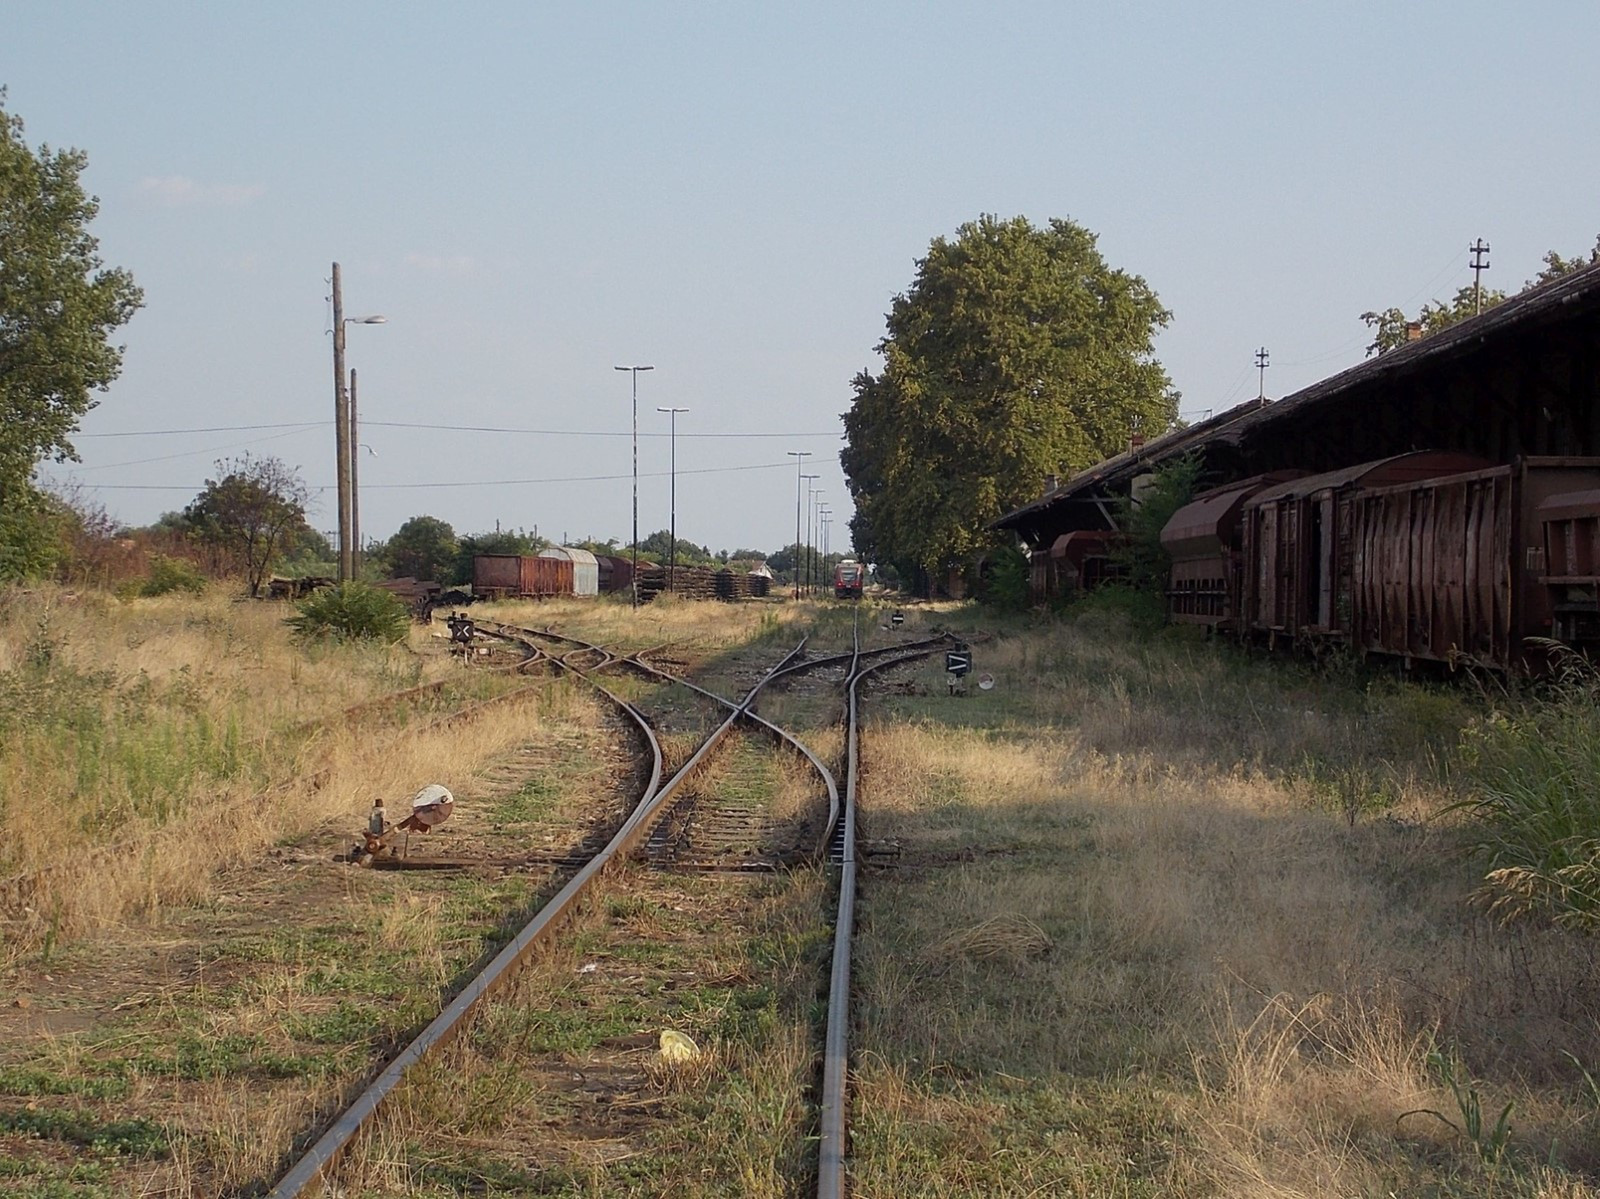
496 572
546 576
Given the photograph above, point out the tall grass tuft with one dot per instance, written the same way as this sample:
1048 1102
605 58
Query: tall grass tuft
1537 808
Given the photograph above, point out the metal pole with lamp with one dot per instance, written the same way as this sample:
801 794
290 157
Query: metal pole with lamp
672 550
344 430
810 499
634 370
799 457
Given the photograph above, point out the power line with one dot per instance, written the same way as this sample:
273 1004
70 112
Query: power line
660 474
395 424
237 445
305 424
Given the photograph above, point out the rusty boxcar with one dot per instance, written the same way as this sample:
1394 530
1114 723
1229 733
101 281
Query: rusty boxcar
1298 540
1202 539
1455 568
520 575
1571 524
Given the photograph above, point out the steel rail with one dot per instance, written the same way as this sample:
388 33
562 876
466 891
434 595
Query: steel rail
331 1146
832 1145
325 1153
637 662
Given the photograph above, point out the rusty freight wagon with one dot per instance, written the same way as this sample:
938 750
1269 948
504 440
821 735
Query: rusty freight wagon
1571 524
1203 541
1299 543
1457 568
520 576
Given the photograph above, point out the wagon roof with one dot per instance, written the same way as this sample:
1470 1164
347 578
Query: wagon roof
1402 468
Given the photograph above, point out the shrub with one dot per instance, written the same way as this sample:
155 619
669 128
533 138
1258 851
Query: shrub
1006 589
172 574
1142 556
352 611
1537 806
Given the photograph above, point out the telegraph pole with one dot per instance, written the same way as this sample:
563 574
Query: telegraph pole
1479 249
1261 368
341 430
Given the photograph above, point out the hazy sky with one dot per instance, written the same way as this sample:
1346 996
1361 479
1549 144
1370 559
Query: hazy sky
733 193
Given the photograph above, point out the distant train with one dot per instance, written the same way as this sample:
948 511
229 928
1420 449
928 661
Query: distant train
849 576
1431 555
564 570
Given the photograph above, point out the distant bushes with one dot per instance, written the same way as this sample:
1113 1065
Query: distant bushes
167 575
352 611
1537 810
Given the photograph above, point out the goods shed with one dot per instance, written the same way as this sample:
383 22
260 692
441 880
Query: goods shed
1521 379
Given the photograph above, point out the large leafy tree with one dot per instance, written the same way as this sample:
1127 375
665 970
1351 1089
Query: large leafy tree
250 513
1017 353
425 547
59 305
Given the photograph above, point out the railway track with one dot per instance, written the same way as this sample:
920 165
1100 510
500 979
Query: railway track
678 825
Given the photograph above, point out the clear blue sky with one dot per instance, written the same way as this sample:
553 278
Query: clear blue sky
533 193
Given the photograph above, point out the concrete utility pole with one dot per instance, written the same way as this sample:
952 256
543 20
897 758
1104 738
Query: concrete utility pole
341 429
1480 263
799 457
635 372
1261 368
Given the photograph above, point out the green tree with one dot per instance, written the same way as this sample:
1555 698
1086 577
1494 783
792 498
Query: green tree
498 542
689 554
249 513
1556 266
58 306
425 547
1018 352
1391 327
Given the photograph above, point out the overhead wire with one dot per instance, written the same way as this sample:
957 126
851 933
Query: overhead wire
451 427
320 487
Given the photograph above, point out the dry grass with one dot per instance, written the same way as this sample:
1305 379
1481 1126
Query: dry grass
1258 929
149 743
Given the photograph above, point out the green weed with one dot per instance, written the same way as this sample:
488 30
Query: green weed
133 1138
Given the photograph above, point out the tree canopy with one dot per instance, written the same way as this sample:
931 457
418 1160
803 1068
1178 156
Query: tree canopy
59 305
250 512
425 547
1391 327
1017 353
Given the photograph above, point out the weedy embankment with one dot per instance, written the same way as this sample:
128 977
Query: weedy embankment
145 744
1173 921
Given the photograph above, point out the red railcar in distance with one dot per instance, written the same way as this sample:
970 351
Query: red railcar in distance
520 576
848 579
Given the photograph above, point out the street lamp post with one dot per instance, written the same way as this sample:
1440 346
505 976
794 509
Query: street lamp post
814 570
344 430
634 370
799 457
810 496
672 550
